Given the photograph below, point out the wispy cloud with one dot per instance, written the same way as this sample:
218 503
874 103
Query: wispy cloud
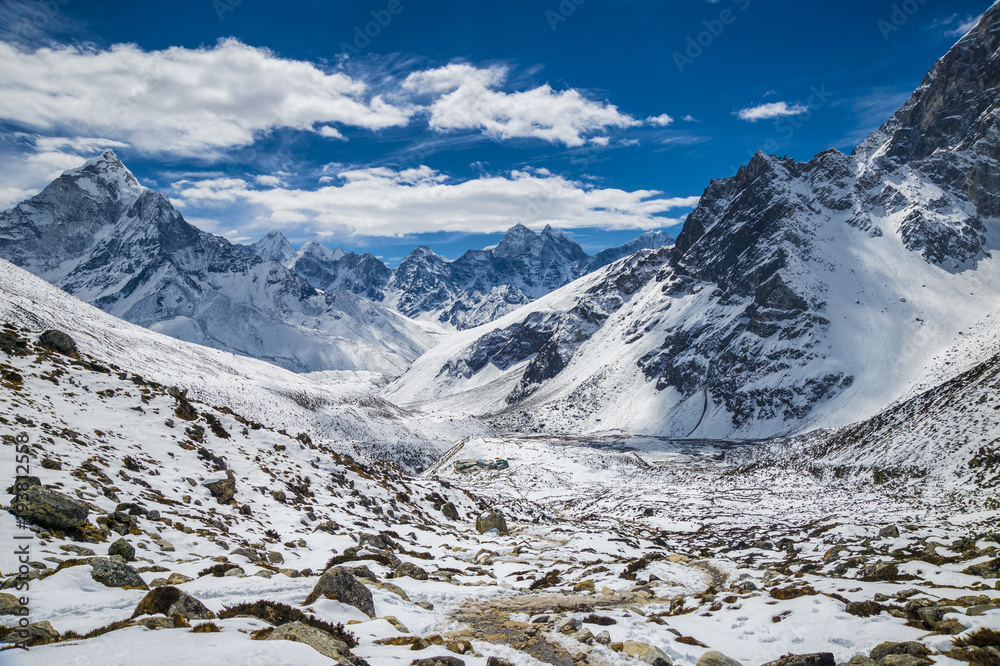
770 110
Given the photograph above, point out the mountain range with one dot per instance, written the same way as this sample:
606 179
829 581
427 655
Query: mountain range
797 295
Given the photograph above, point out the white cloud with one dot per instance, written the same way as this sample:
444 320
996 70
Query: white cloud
467 97
183 101
661 120
384 202
33 162
964 26
690 119
771 110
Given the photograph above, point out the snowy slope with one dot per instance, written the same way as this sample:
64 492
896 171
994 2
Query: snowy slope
797 295
333 405
96 233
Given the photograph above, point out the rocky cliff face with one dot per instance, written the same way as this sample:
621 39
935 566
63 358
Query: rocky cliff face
96 233
796 294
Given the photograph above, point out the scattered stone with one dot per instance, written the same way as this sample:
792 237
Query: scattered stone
78 550
949 627
862 660
58 342
646 654
170 601
49 508
883 650
396 624
116 574
450 511
411 570
426 605
36 633
497 661
716 658
584 586
931 615
890 532
223 490
599 620
340 584
904 660
10 605
438 661
812 659
988 569
604 638
123 548
315 638
491 520
275 557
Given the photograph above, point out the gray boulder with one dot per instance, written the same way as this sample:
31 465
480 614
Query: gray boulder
450 511
169 601
812 659
315 638
491 520
883 650
411 570
223 490
988 569
50 509
116 574
340 584
123 548
59 342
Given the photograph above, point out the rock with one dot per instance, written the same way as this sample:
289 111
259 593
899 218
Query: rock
890 532
36 633
58 341
123 548
153 622
163 544
49 508
315 638
599 620
426 605
411 570
988 569
812 659
235 572
116 574
904 660
340 584
275 557
584 586
491 520
646 654
450 511
171 601
22 483
716 658
569 626
583 636
376 541
949 627
497 661
883 650
222 490
604 638
396 624
861 660
395 589
10 605
931 615
459 646
438 661
980 609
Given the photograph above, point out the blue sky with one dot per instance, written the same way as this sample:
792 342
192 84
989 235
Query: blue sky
380 125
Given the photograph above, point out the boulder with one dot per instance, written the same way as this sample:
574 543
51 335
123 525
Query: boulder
170 601
491 520
116 574
438 661
340 584
988 569
861 660
716 658
450 511
646 654
10 604
315 638
931 615
222 490
904 660
58 342
50 509
411 570
36 633
812 659
890 532
883 650
123 548
497 661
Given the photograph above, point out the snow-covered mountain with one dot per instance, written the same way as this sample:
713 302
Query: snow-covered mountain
98 234
477 288
796 295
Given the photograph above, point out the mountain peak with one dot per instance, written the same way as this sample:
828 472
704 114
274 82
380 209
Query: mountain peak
106 175
273 247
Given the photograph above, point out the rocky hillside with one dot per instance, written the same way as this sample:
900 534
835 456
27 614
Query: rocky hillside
796 295
98 234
